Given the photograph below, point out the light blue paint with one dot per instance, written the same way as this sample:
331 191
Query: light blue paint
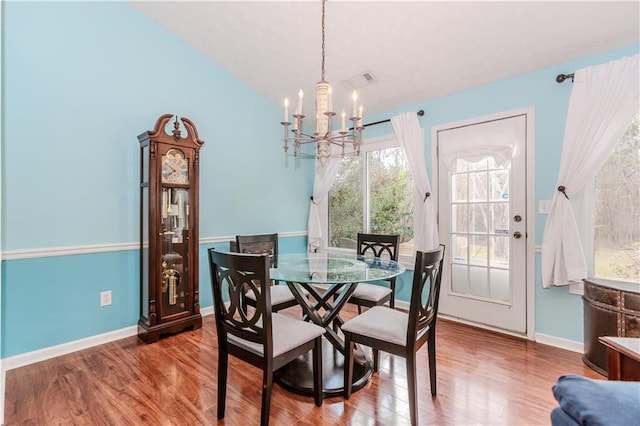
54 300
78 90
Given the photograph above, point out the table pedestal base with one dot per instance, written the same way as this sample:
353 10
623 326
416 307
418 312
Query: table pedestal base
297 376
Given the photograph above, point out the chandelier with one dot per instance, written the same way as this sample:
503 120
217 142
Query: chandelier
324 135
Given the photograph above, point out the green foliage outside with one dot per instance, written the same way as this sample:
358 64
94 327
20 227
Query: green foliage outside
390 197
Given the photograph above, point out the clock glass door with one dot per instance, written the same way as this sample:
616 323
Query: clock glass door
175 238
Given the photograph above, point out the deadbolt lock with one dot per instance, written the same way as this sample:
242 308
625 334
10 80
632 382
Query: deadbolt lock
517 218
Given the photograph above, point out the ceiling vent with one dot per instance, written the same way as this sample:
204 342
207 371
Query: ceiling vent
359 81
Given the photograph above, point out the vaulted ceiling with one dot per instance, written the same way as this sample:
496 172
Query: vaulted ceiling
414 50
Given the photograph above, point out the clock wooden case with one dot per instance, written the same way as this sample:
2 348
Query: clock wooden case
169 170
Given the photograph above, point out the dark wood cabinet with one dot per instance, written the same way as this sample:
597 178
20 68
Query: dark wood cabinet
610 309
169 178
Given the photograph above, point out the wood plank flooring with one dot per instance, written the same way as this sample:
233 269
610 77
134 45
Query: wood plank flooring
483 378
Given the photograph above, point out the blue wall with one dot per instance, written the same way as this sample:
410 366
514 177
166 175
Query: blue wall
81 81
79 89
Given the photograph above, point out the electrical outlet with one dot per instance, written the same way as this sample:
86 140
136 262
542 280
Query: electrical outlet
105 298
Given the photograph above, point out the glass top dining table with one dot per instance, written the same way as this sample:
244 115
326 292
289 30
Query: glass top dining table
322 284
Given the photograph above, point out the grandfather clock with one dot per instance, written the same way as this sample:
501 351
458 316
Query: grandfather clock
169 169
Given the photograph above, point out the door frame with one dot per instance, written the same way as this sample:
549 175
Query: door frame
529 113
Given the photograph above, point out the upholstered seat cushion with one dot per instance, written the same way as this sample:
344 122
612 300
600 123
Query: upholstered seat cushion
596 402
279 294
371 292
381 323
288 333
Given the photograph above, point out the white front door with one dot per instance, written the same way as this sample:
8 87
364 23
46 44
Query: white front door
483 221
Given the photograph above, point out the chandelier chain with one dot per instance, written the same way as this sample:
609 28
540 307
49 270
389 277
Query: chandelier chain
323 3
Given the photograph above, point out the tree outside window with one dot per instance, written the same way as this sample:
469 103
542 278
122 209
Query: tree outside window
373 194
617 210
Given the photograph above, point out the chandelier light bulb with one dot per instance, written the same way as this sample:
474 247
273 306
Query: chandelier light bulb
300 95
286 110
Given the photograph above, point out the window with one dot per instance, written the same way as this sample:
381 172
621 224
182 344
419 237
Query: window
610 210
372 193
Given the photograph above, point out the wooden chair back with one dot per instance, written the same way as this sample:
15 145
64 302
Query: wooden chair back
423 311
259 244
378 245
233 275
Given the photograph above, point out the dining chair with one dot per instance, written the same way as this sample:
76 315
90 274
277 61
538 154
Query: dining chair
281 295
376 245
400 333
254 334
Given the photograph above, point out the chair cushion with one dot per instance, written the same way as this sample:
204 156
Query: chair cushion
598 402
380 323
371 292
288 333
279 294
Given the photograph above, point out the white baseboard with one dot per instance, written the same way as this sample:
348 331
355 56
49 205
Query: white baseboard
559 342
77 345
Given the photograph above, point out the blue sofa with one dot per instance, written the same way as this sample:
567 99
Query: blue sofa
586 401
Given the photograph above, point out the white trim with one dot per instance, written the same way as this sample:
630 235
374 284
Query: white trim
545 339
559 342
66 348
67 251
74 346
104 248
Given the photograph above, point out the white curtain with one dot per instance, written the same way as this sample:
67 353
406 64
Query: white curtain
325 176
604 100
425 228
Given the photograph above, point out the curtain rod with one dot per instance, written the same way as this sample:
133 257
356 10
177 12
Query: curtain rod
562 77
420 114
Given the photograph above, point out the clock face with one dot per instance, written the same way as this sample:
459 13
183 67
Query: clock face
175 167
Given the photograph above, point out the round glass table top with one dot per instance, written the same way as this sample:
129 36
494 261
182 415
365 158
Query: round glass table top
333 268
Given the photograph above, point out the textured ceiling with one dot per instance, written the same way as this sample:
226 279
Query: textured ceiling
415 50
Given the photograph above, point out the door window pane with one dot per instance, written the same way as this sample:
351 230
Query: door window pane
459 186
459 218
478 220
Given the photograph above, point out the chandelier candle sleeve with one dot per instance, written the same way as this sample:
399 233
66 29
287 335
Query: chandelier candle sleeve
322 107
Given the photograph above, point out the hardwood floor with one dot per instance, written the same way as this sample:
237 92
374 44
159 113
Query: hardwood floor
483 378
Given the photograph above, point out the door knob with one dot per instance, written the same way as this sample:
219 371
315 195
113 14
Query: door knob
517 235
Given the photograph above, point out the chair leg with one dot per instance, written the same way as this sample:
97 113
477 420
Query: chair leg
348 365
267 384
223 361
317 372
412 386
432 361
359 309
376 360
